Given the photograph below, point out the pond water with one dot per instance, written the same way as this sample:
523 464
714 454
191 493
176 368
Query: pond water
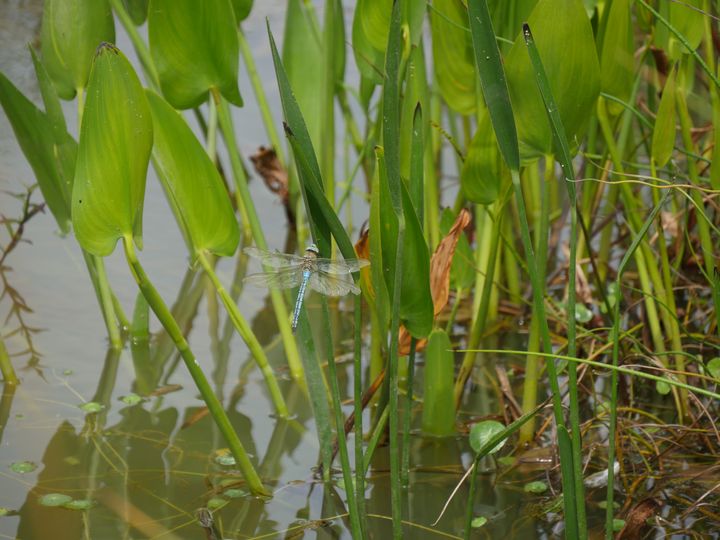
148 466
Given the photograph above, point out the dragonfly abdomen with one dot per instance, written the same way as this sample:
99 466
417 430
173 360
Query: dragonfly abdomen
300 296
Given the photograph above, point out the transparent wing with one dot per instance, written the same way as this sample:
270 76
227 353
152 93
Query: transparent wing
273 258
285 278
341 267
332 284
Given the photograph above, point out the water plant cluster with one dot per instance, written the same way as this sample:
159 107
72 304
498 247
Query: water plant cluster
576 141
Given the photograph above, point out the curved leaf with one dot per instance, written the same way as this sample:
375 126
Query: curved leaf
453 55
483 432
242 9
50 153
374 16
113 155
71 31
438 416
573 72
484 168
687 18
616 58
195 48
193 183
663 140
302 56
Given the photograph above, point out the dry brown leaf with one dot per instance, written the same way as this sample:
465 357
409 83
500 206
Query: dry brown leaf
636 520
274 175
440 264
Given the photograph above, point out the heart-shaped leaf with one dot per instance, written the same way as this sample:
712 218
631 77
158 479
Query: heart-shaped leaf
192 182
113 155
195 48
71 31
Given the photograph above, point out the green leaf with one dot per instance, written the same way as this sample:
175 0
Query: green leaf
54 499
53 108
191 180
483 432
663 140
484 168
50 156
195 48
492 79
453 55
113 155
478 522
438 416
242 9
302 56
536 487
416 307
687 18
369 60
713 368
374 16
137 9
573 73
71 31
617 54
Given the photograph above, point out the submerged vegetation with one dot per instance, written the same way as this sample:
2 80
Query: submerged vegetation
539 191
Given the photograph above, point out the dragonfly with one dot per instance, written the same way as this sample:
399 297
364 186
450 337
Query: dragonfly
330 277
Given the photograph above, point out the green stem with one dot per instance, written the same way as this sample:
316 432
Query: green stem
251 217
358 409
260 96
248 337
106 303
140 47
471 499
6 367
163 314
407 417
355 523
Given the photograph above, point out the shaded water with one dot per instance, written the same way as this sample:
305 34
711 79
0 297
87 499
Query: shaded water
148 467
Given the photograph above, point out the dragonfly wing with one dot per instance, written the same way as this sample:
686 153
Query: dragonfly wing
285 278
332 284
275 259
341 267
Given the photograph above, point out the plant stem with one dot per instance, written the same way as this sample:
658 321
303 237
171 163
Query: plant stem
163 314
248 336
6 367
407 416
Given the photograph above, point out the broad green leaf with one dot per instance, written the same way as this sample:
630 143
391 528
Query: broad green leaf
484 168
507 17
483 432
113 156
616 57
438 416
302 56
573 72
492 79
374 16
50 156
416 307
713 368
71 31
242 9
195 48
193 183
453 55
663 140
369 60
137 9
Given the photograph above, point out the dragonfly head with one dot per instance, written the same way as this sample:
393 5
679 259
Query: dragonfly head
312 248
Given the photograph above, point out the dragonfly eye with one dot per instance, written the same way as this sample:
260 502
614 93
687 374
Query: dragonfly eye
313 248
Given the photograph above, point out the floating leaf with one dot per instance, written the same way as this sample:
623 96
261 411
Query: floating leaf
235 493
54 499
482 432
438 417
536 487
216 503
71 31
23 467
195 48
713 368
113 155
478 522
131 399
192 182
79 504
582 313
92 407
225 458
